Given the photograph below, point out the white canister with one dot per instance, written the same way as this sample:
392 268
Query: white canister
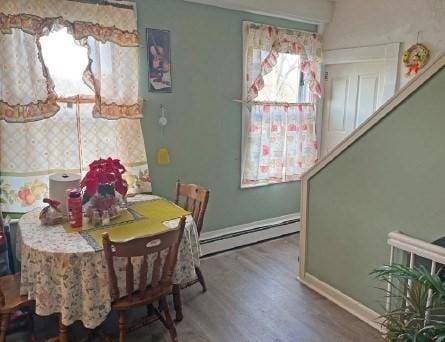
59 183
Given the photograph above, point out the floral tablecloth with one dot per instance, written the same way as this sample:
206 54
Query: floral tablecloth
64 274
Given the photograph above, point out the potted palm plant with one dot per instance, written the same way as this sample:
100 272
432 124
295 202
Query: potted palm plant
411 317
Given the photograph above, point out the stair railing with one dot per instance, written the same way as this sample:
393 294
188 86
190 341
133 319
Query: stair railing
412 247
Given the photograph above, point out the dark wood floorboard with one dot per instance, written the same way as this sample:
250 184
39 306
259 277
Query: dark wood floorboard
253 296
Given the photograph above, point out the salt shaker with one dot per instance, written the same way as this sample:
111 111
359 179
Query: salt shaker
105 218
95 220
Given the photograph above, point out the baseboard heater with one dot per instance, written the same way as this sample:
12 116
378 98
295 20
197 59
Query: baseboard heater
223 240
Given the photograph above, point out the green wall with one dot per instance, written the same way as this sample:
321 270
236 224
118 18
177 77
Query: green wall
390 179
204 129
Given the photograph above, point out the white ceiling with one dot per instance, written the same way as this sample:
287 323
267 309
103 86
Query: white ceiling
312 11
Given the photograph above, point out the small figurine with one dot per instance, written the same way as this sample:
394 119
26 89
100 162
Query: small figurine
51 215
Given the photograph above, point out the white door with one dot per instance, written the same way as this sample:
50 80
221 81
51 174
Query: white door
353 91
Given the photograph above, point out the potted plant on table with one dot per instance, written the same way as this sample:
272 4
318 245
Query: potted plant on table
103 186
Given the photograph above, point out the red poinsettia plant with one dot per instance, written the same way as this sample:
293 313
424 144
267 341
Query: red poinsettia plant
104 176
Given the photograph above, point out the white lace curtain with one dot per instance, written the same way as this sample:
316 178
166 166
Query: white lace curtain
279 140
52 122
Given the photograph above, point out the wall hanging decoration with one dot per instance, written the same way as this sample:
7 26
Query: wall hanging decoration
415 58
159 61
162 119
163 156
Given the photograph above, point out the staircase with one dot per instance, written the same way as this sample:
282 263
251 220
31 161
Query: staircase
388 175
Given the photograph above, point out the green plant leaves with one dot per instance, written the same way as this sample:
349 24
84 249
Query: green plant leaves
411 319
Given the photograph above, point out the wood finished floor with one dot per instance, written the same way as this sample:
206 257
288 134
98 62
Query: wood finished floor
253 296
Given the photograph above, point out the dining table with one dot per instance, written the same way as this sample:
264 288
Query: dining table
65 272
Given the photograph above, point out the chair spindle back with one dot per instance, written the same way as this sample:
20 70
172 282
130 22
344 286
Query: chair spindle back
144 247
193 198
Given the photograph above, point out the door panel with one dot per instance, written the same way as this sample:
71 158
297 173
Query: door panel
367 96
353 91
339 96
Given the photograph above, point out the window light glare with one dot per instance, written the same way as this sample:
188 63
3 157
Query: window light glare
65 59
281 84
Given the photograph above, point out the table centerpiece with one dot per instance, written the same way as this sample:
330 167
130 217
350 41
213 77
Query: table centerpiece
103 187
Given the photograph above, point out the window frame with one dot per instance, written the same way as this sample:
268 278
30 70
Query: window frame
244 115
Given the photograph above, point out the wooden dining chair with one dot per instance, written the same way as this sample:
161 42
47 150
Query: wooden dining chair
161 277
11 301
193 198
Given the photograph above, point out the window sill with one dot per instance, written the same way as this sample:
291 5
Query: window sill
249 186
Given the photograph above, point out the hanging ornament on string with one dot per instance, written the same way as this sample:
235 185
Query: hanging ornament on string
163 155
162 119
415 57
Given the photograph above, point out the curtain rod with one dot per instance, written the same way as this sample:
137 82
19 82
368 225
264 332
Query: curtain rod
105 3
293 104
77 99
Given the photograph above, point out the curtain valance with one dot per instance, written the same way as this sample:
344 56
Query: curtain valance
109 33
79 29
274 40
121 18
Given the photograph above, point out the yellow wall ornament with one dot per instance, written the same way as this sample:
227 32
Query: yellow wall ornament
163 156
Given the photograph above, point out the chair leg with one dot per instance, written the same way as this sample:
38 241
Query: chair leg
4 323
169 324
31 327
177 302
201 279
63 330
122 326
150 310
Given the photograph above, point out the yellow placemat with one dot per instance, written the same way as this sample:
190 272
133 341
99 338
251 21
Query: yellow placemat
125 231
125 217
159 210
148 220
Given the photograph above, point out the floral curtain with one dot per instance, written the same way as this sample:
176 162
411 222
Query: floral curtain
32 151
281 144
26 91
53 123
280 141
109 32
263 43
114 78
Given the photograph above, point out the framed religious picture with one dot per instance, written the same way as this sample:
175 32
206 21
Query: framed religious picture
159 61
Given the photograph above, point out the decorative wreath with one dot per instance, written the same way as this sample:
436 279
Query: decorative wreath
415 58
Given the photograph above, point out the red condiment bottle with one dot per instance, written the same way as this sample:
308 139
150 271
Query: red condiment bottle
75 209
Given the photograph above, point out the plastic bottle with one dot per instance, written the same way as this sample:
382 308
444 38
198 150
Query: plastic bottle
75 209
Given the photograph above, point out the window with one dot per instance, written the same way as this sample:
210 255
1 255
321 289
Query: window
285 82
66 61
69 140
280 90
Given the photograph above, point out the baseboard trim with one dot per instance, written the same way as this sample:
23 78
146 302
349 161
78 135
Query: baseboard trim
225 239
344 301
